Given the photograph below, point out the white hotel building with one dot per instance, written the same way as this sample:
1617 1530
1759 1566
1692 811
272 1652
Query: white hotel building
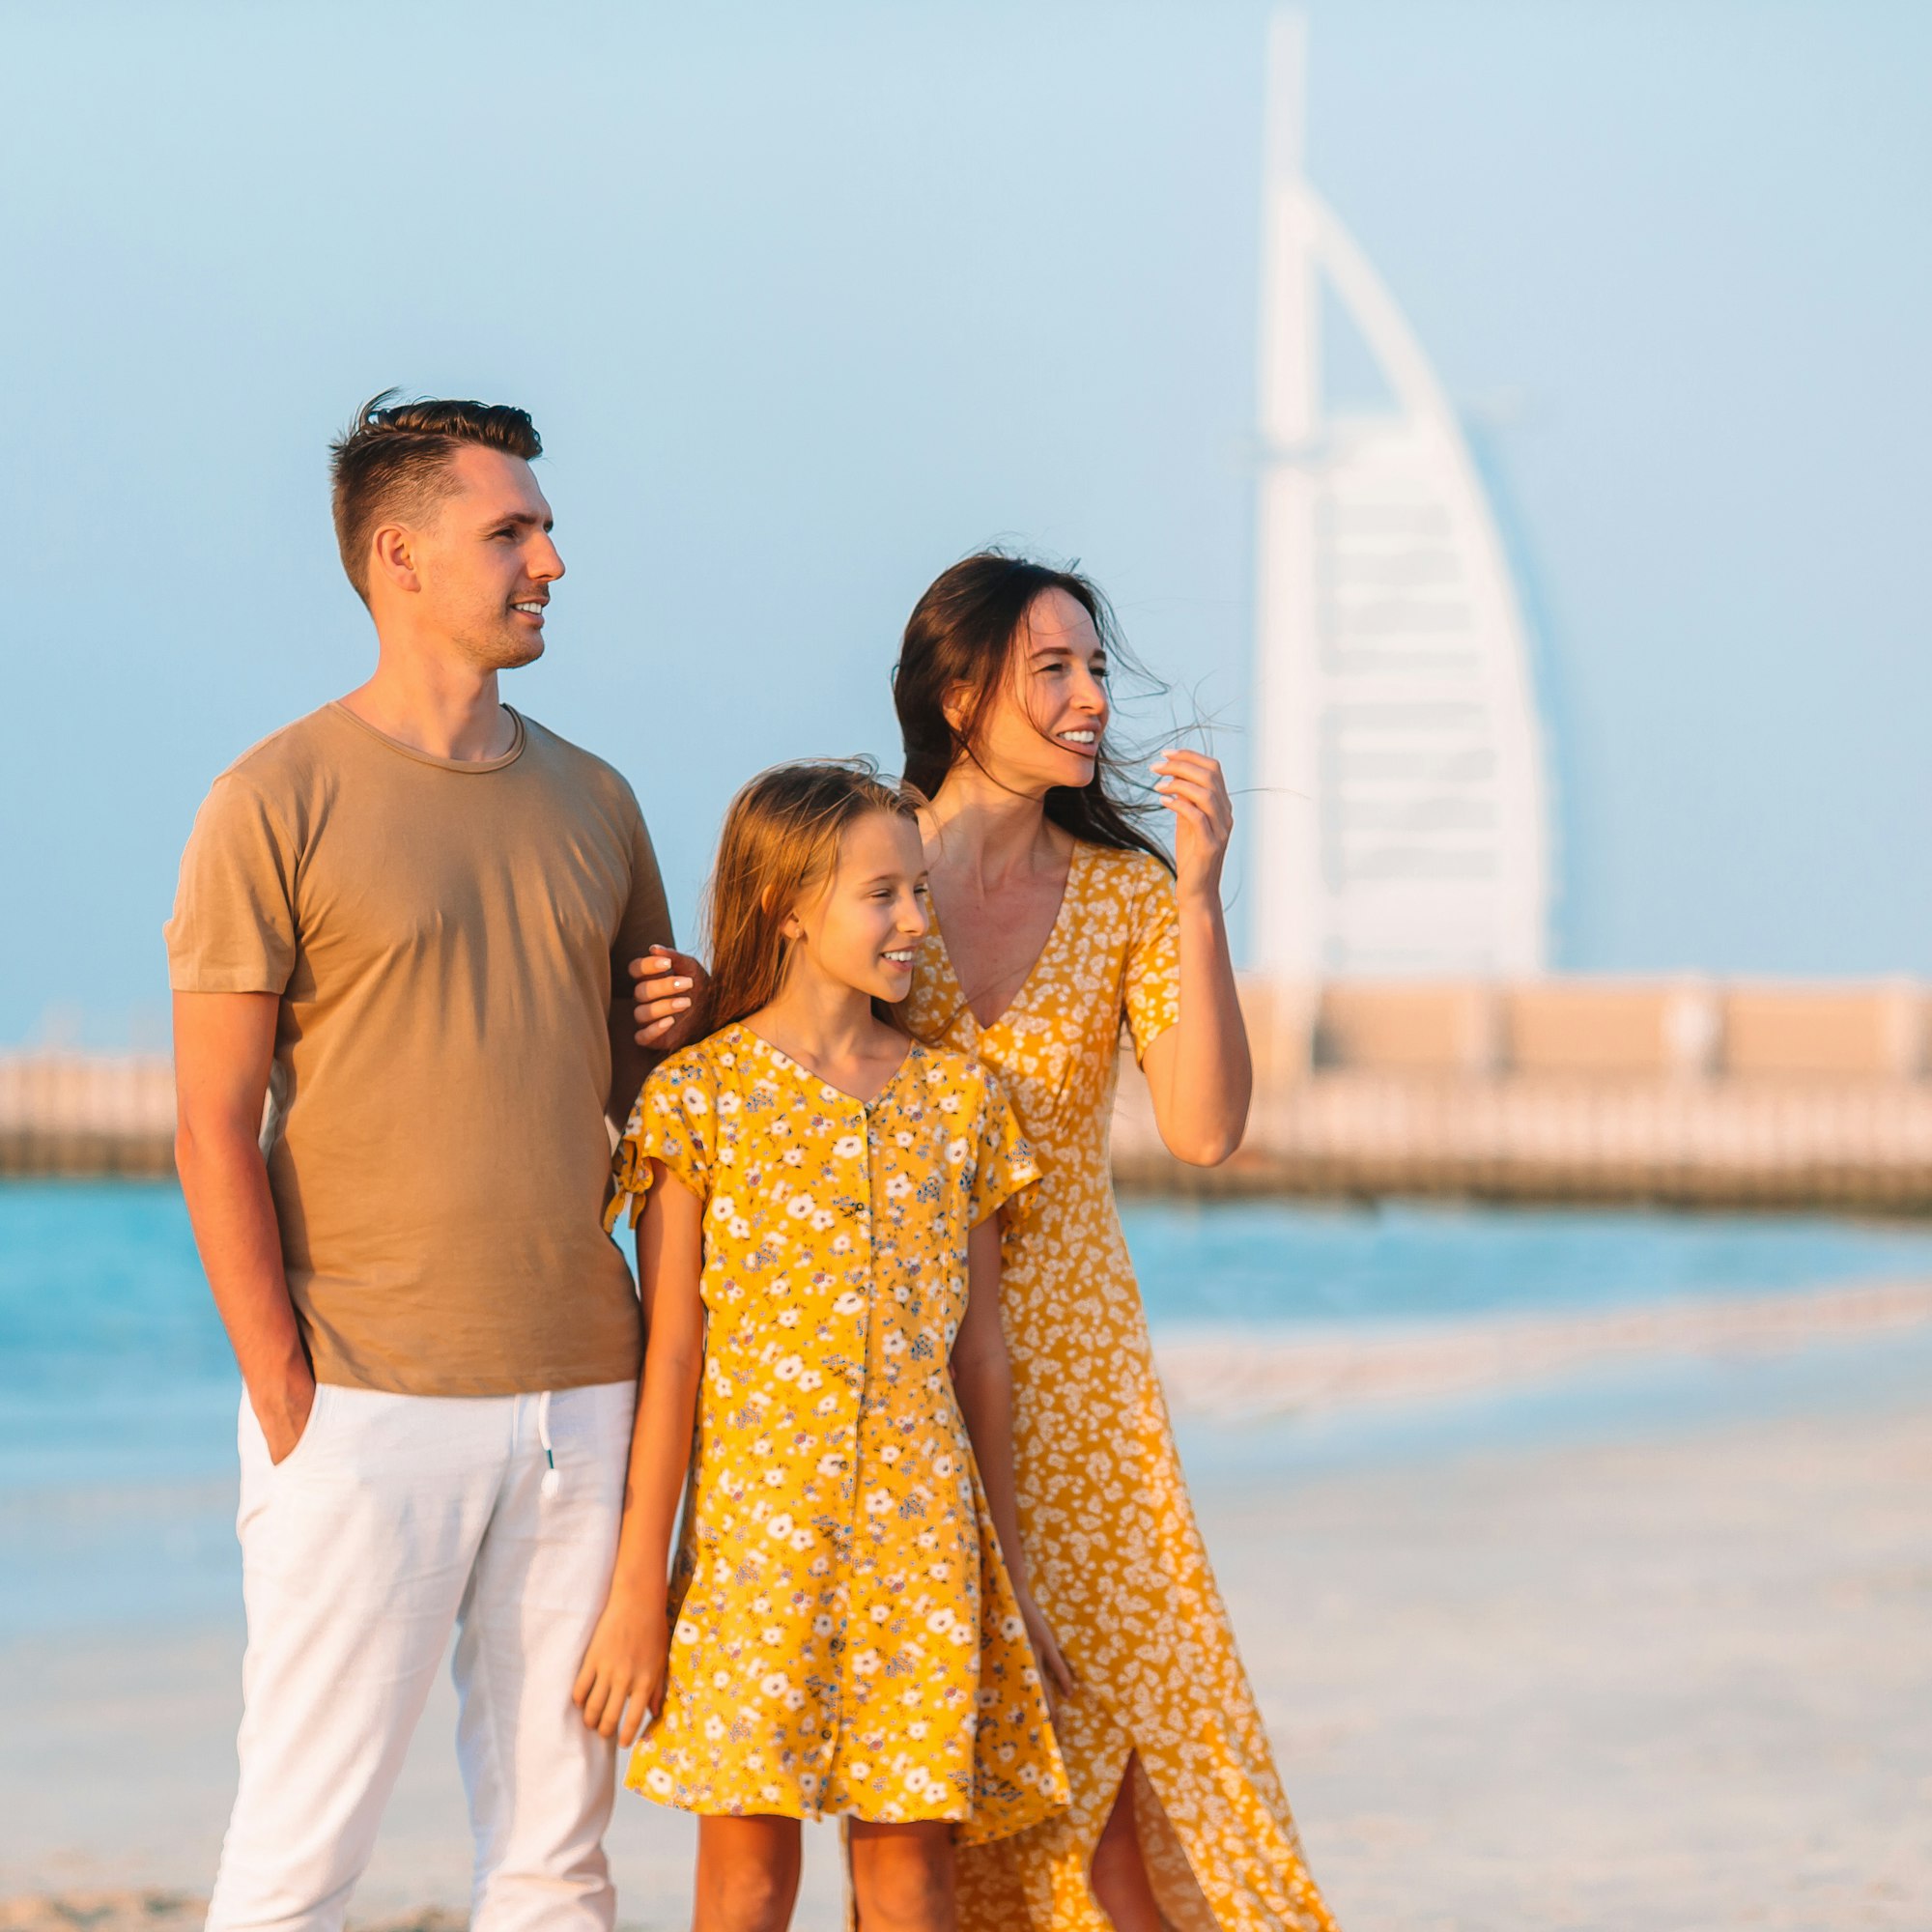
1401 819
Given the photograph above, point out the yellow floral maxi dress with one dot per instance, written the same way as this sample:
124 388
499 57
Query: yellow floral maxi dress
1116 1560
845 1637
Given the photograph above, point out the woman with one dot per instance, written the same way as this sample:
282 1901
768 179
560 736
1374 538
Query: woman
1055 917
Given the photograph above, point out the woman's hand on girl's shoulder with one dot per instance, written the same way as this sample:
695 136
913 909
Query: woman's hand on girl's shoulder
620 1684
667 988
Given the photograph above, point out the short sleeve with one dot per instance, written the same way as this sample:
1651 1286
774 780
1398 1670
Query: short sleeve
1004 1172
233 923
1152 984
676 1120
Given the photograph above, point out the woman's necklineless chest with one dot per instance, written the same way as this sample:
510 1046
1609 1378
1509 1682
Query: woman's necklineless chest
997 944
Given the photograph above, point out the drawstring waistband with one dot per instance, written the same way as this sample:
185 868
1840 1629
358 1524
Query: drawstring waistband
552 1481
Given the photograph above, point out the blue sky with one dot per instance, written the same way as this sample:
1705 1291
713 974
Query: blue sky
808 302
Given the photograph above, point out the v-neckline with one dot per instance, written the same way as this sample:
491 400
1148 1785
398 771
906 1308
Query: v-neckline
1033 973
805 1072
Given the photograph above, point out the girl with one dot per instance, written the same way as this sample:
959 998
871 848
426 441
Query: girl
1056 917
842 1636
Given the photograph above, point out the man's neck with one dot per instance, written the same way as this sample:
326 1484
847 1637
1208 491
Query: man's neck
447 711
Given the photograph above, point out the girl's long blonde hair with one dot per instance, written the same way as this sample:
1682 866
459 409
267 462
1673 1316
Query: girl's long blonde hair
780 839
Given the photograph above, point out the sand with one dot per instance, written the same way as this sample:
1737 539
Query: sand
1669 1685
1247 1377
1676 1682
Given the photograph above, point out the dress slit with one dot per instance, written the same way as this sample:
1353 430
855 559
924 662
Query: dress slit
1176 1888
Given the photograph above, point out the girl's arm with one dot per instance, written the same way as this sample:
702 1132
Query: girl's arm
982 1379
1199 1074
620 1684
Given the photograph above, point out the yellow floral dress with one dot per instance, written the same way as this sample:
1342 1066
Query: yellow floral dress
1114 1558
845 1640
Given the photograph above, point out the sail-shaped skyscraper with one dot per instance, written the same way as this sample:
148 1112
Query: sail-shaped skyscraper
1402 813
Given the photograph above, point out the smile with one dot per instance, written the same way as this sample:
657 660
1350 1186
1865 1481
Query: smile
533 608
903 957
1080 741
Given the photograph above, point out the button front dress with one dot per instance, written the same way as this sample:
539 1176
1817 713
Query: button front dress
1114 1558
845 1637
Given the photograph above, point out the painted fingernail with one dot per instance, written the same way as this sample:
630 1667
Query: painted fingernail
681 1004
680 985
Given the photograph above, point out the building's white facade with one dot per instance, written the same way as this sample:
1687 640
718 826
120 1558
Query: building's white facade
1402 821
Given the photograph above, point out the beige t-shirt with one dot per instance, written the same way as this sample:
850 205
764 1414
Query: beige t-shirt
446 938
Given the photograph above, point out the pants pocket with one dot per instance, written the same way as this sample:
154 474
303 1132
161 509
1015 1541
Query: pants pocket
304 1451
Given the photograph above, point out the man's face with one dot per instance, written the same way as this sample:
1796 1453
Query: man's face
484 561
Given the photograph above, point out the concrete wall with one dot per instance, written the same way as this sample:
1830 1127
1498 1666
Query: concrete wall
1606 1027
1825 1032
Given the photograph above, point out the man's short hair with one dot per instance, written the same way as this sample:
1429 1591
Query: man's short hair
394 462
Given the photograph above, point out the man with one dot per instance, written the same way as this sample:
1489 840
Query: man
409 912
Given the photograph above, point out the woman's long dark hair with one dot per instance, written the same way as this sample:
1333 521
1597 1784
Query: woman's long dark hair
964 632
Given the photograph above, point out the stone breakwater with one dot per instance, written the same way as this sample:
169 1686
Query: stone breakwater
1760 1143
77 1113
1685 1093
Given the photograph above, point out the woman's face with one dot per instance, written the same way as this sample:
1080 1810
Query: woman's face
1042 725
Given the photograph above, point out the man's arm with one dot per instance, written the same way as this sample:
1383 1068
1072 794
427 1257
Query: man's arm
630 1062
224 1047
644 932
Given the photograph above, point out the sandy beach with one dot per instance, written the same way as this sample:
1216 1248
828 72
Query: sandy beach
1674 1677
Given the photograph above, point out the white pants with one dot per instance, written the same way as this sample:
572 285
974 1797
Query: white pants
393 1521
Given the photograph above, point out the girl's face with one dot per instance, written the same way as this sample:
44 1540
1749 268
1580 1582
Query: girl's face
1043 727
863 926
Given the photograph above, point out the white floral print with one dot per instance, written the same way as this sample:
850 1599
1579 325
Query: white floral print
1115 1559
845 1638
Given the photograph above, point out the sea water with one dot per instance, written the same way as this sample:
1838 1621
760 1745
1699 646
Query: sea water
118 1394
